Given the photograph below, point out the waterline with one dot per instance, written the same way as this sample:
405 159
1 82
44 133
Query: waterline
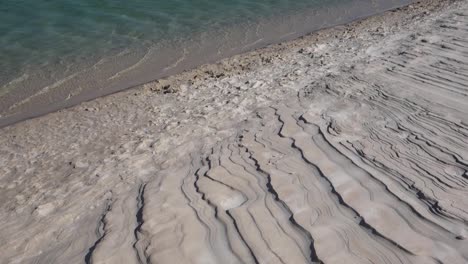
107 66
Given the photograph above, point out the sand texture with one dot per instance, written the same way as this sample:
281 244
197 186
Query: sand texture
346 146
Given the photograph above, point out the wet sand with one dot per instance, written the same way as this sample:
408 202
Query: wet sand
345 146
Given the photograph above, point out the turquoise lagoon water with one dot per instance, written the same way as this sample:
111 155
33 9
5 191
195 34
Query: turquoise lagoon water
55 53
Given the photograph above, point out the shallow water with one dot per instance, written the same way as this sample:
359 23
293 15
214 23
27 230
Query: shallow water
73 47
44 32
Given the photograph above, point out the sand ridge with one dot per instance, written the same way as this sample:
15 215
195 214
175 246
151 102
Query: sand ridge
347 146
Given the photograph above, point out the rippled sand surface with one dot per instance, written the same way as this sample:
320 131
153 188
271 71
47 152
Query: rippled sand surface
346 146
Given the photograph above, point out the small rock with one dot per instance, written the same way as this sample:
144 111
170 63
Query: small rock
44 209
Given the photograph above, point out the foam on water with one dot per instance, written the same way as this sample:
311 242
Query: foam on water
54 54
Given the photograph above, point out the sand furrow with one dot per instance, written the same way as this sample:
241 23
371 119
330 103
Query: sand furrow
322 220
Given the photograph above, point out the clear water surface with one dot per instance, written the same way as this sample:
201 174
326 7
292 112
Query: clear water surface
53 44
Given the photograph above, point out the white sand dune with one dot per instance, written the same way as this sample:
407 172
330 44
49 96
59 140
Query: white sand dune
346 146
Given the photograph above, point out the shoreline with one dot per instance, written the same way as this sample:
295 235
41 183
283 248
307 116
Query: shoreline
349 145
87 84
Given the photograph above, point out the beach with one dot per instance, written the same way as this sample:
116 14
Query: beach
347 145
